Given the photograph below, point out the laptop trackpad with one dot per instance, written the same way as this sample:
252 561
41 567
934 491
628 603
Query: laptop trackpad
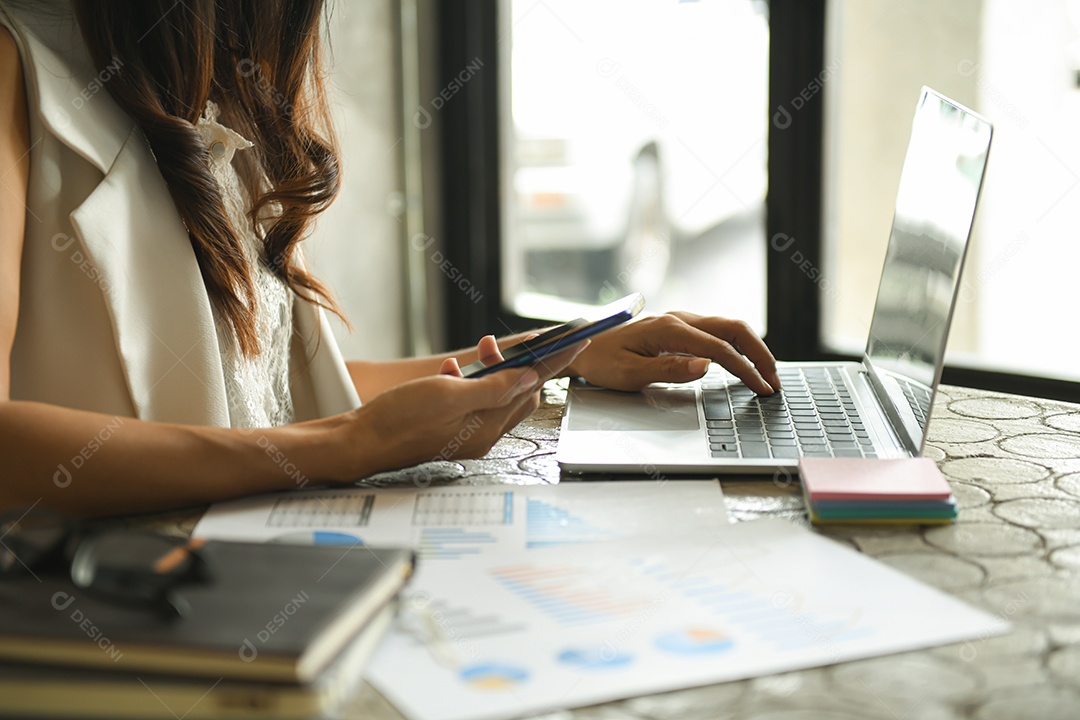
655 408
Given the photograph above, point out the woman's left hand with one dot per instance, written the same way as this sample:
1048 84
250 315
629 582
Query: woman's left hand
676 347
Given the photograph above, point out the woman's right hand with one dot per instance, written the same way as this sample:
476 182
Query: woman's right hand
444 416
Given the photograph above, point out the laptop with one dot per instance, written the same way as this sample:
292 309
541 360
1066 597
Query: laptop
876 408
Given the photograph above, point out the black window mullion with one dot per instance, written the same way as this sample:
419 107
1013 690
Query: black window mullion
470 171
793 205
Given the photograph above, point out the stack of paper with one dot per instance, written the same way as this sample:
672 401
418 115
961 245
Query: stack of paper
520 634
850 490
529 599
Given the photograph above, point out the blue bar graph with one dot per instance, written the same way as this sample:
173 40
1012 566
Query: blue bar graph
548 525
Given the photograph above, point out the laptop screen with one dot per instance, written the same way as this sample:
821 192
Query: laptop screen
935 208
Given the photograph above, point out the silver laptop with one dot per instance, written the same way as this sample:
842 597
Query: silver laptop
876 408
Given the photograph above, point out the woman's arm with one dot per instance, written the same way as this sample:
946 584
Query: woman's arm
373 378
14 177
86 464
91 464
674 347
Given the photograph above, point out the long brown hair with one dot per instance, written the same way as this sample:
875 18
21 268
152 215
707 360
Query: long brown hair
260 61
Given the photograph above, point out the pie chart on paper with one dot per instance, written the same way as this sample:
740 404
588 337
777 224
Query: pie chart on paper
493 676
606 658
694 641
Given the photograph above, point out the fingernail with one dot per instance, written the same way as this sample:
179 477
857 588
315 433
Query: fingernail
698 366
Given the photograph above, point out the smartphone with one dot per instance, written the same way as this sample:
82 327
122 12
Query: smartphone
566 335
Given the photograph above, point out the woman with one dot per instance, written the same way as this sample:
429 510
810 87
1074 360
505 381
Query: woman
161 343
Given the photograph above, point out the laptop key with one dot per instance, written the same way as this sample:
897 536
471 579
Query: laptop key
845 446
785 452
754 450
725 453
718 423
717 407
781 442
844 452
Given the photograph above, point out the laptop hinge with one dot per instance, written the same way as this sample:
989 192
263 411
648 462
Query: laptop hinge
884 399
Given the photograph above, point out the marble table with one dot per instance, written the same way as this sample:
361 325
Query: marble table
1014 465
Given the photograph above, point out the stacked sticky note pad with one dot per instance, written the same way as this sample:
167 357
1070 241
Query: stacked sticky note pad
857 490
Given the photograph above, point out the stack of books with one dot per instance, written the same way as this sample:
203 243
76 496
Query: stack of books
856 490
278 631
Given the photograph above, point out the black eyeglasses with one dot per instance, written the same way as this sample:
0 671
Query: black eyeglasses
129 567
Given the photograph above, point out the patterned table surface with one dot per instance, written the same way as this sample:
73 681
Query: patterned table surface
1014 465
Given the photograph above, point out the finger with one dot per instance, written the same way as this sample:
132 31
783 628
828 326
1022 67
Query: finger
487 350
495 390
635 372
553 365
509 417
527 405
450 367
743 338
687 339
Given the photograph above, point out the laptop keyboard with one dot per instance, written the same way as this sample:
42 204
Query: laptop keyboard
918 398
813 416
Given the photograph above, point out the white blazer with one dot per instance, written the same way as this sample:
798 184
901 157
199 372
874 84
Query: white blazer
114 315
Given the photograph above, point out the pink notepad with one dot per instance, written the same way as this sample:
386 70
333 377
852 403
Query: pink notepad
866 479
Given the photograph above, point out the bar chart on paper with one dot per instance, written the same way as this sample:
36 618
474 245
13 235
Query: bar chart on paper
453 523
569 595
548 525
614 620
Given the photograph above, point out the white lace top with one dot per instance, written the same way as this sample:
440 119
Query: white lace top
257 388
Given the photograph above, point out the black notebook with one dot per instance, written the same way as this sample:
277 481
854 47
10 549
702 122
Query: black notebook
270 612
33 691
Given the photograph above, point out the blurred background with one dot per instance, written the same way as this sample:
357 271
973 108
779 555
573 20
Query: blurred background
510 162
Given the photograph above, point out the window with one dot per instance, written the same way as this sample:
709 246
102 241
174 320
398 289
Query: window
1015 63
634 155
562 175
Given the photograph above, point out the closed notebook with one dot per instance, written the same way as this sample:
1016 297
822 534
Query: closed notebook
271 612
41 691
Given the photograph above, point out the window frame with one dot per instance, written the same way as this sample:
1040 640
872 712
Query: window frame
470 138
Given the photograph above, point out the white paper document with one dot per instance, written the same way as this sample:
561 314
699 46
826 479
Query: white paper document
508 636
457 522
